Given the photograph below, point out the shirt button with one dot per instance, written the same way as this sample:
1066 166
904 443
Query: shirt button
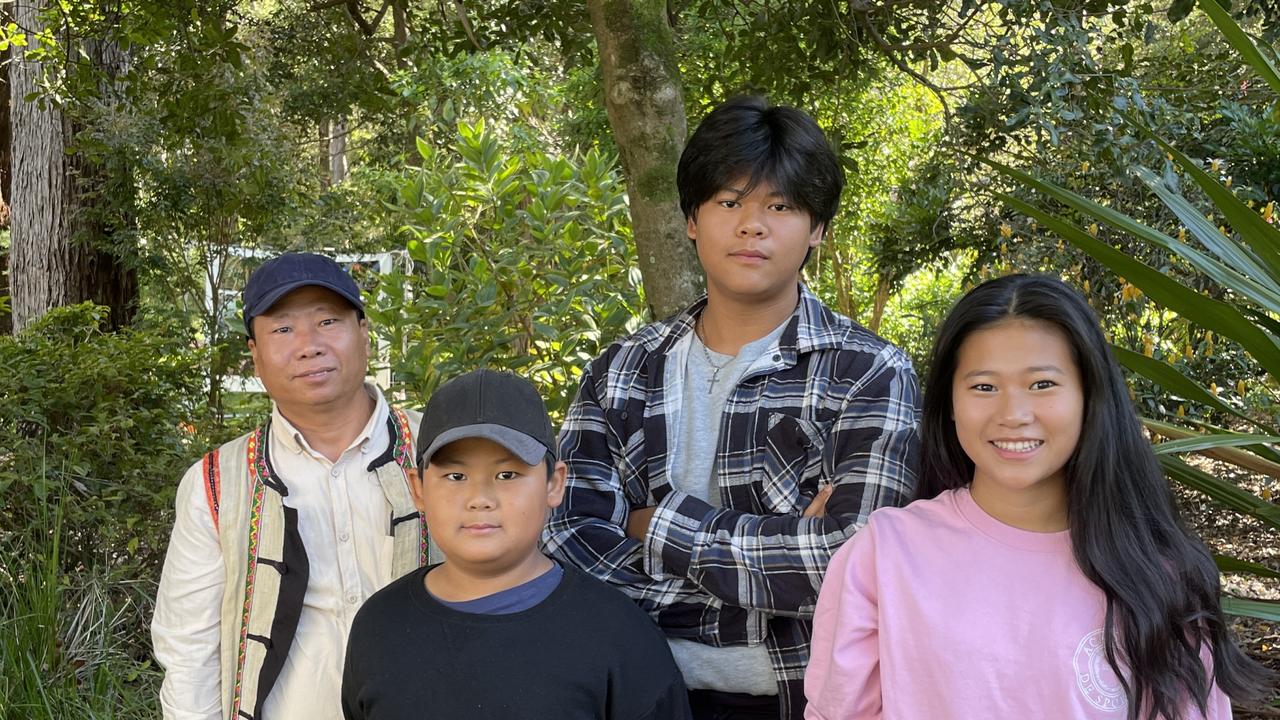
352 599
335 472
777 358
343 537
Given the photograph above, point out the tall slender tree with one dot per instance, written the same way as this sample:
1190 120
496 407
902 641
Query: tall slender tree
58 255
645 104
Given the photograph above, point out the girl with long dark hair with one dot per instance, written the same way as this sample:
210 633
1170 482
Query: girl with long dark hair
1044 571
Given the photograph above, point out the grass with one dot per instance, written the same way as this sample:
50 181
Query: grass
72 644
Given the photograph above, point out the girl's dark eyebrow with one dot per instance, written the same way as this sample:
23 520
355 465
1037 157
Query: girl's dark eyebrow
1032 369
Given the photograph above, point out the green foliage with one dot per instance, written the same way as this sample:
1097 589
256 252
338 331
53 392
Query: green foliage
1242 265
520 261
102 421
95 430
69 644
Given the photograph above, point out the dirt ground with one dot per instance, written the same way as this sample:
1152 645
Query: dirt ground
1227 533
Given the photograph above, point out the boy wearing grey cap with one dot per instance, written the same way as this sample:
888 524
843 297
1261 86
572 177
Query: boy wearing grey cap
281 533
498 630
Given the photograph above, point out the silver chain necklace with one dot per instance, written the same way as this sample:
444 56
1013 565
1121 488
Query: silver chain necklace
706 355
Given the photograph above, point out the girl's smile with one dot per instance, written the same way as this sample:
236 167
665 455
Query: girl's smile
1018 405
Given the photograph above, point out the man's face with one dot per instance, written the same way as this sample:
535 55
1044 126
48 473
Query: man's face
752 246
311 350
484 507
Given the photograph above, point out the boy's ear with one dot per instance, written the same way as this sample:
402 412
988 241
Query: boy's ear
817 234
555 484
415 488
691 227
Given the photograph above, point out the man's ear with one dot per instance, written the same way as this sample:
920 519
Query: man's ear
555 484
253 353
691 227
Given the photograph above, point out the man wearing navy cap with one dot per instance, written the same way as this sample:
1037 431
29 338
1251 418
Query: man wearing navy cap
281 534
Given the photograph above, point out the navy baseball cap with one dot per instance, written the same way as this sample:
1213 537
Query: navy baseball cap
280 275
498 406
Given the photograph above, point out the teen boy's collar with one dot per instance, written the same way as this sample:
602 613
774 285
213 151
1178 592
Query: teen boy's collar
813 326
498 406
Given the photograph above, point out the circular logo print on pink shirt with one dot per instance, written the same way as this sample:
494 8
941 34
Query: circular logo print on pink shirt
1098 682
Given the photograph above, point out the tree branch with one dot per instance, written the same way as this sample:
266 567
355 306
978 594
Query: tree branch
366 26
466 24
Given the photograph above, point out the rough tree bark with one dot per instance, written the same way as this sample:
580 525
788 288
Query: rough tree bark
332 163
6 139
338 152
6 171
643 97
322 154
57 255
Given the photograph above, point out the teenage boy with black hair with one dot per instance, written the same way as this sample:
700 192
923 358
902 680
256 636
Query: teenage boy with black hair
717 459
499 630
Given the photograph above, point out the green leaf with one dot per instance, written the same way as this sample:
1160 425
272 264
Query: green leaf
1180 9
1249 279
1247 607
1221 491
1169 430
1241 42
1263 239
1204 311
1230 564
1207 442
1171 379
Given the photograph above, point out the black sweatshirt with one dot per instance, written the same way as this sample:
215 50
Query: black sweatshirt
586 652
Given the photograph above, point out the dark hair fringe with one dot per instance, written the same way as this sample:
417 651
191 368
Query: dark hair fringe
745 137
1160 581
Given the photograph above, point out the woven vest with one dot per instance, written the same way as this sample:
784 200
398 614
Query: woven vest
266 563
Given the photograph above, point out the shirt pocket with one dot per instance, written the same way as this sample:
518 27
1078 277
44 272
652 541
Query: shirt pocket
792 462
631 459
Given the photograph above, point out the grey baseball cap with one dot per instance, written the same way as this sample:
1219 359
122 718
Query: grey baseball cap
498 406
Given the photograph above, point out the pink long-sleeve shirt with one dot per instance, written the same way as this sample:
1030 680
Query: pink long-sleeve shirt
938 611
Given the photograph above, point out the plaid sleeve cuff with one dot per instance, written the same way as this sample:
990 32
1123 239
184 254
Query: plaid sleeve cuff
676 523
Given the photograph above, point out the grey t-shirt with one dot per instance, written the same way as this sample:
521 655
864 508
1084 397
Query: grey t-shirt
709 380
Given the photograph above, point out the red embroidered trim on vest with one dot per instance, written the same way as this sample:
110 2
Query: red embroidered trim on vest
403 454
257 469
212 485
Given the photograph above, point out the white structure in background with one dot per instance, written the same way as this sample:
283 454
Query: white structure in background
384 262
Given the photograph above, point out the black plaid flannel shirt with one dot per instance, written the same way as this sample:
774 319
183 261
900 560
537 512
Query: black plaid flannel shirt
837 405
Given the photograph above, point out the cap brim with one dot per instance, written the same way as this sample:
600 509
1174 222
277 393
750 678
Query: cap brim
274 296
528 450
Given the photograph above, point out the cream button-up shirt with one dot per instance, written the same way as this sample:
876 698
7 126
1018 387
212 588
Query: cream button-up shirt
345 522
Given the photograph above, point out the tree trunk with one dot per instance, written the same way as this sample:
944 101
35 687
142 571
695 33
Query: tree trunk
6 171
59 254
338 152
408 111
643 97
322 154
884 290
6 140
840 272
